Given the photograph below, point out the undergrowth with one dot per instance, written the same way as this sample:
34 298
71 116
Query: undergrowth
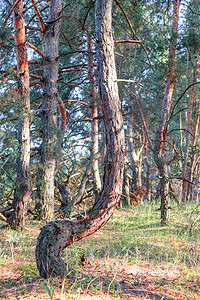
132 236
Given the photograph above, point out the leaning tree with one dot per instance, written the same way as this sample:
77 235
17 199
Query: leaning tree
57 235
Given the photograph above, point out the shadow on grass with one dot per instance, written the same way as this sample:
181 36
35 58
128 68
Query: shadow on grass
21 287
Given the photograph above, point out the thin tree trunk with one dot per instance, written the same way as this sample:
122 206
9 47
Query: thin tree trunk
160 135
49 110
23 187
94 112
135 157
191 169
146 162
187 139
57 235
66 209
126 186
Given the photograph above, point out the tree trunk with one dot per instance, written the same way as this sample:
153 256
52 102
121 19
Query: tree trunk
50 99
191 169
23 187
186 170
66 209
126 186
147 166
57 235
135 157
94 112
160 135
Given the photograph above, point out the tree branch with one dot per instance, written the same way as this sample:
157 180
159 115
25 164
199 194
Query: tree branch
77 101
11 11
127 41
131 28
38 15
128 80
36 50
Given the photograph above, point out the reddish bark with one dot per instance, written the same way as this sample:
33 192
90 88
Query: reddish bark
57 235
163 117
166 104
38 15
195 130
23 187
31 46
77 101
186 171
35 15
63 118
94 113
191 168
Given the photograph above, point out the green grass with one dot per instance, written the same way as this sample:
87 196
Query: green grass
132 236
138 234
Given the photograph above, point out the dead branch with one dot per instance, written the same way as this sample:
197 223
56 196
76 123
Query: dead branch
127 41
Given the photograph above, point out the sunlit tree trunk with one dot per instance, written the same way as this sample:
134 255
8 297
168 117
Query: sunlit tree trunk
186 170
94 112
126 185
135 156
159 151
146 161
23 184
49 147
57 235
192 160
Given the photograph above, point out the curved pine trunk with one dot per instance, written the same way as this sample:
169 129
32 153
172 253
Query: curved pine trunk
94 113
57 235
23 187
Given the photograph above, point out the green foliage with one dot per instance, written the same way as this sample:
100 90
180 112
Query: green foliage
145 63
49 291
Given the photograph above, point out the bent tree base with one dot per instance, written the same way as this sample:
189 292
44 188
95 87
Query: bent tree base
57 235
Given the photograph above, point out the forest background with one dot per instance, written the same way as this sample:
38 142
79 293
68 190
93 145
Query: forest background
55 140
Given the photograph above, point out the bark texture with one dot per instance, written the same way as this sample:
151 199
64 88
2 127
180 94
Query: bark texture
57 235
94 113
187 170
23 187
193 154
135 156
49 110
160 136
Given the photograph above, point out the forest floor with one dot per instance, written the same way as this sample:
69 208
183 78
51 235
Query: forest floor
132 257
